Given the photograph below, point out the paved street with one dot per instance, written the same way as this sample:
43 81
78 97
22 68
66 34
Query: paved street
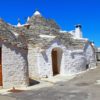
85 86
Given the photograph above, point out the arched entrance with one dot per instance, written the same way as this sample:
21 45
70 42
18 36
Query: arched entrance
56 60
0 66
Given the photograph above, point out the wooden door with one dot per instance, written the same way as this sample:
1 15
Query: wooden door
0 67
54 62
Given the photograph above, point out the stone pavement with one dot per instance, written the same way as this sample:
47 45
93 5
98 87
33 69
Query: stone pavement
85 86
6 98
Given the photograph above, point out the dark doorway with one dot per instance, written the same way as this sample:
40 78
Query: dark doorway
56 60
0 66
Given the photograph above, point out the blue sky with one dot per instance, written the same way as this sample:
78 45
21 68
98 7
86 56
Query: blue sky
66 13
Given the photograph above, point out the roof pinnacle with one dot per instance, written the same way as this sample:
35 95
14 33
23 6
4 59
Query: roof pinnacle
37 13
19 24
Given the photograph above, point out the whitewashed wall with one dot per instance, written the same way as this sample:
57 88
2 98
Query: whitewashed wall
72 61
90 55
75 62
45 61
33 61
14 66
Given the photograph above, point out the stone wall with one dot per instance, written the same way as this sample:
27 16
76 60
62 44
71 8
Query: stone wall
72 62
75 62
33 61
45 60
14 66
90 55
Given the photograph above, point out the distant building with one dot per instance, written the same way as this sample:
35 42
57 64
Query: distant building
39 48
98 54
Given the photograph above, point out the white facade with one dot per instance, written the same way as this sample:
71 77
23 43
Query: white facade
69 61
90 54
14 66
39 49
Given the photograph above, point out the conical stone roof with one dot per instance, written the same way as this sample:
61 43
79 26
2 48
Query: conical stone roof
38 25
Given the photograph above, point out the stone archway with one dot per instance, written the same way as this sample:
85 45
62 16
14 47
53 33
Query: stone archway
0 66
56 60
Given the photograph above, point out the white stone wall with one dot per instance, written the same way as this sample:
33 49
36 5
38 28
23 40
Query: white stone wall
90 55
75 62
14 66
45 61
72 61
33 61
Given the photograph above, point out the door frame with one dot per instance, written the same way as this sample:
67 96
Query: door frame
56 60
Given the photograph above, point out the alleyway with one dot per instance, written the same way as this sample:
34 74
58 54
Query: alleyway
85 86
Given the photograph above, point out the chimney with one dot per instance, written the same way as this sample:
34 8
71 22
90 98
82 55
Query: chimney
78 31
